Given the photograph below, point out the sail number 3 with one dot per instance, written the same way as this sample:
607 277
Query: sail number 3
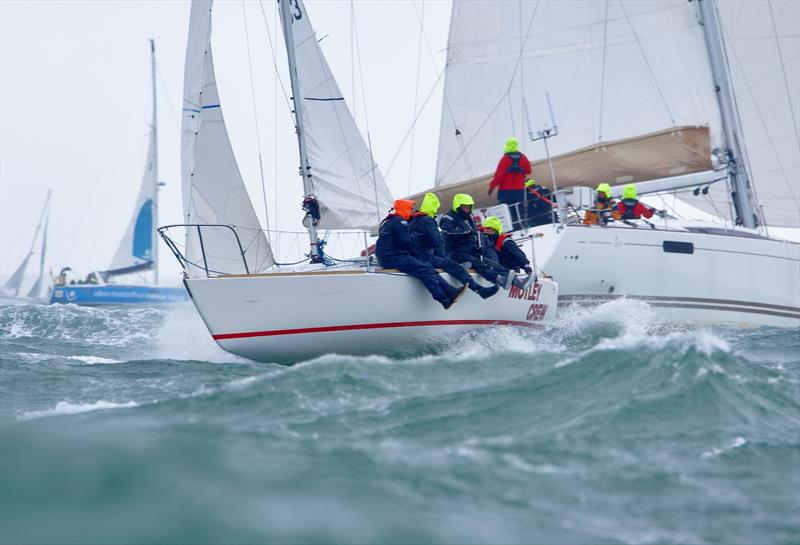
297 14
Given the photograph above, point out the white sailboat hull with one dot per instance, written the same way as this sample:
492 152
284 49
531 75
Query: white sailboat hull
726 279
287 317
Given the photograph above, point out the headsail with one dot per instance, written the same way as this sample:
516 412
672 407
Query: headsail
346 181
14 282
212 187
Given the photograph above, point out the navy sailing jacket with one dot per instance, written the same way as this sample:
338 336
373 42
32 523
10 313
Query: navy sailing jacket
393 237
460 234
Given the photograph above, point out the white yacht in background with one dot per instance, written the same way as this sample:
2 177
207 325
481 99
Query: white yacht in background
693 100
257 308
13 285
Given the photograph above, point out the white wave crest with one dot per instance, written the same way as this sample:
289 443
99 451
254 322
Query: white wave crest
716 451
92 360
65 407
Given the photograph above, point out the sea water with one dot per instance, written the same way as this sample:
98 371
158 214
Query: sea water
128 425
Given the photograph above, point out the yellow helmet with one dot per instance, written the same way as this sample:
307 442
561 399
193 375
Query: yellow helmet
604 188
512 145
493 222
430 204
629 192
460 199
530 183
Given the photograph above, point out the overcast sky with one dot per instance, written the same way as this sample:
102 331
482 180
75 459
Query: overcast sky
75 105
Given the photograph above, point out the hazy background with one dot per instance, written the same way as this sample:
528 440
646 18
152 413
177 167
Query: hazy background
75 103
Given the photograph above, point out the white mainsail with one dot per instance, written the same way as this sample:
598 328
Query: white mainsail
14 282
346 182
614 70
212 186
762 41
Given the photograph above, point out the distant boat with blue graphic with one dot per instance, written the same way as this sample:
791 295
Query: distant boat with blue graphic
13 285
137 253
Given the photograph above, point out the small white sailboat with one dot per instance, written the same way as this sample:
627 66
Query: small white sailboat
259 309
137 252
13 285
698 101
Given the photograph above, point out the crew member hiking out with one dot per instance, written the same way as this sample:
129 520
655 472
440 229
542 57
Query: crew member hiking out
461 240
509 179
540 204
502 254
603 207
427 245
630 208
393 248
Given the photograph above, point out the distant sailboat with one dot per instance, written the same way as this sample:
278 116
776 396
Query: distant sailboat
14 284
137 252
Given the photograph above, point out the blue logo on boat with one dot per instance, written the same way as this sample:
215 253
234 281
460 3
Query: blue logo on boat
143 231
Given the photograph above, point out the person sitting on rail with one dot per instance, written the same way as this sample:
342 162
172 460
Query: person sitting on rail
393 251
427 245
630 208
501 253
603 211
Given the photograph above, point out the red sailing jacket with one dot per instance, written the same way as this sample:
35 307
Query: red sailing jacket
511 174
633 209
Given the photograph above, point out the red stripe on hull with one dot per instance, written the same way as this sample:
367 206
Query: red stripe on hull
354 327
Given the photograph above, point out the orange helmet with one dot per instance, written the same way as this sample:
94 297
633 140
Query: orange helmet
402 207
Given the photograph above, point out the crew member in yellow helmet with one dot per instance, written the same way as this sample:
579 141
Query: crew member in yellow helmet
427 245
630 208
461 237
541 204
502 254
509 179
603 209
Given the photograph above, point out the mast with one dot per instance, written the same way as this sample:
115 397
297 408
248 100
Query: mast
305 169
742 196
154 136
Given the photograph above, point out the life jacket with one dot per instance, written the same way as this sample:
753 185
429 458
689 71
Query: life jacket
515 157
501 239
630 208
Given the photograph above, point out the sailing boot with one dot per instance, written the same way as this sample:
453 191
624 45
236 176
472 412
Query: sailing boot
484 291
507 280
532 278
519 282
455 296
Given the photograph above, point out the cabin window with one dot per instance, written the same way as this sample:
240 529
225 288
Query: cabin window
673 247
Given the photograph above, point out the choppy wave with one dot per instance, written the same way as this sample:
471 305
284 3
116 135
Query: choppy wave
608 427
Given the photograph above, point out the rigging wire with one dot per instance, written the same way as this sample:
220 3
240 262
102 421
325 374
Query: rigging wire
255 114
366 116
416 93
783 70
647 62
603 76
505 95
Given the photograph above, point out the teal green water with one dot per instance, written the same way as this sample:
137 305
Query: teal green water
130 426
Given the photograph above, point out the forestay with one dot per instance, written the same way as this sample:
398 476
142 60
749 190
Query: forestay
346 181
212 186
